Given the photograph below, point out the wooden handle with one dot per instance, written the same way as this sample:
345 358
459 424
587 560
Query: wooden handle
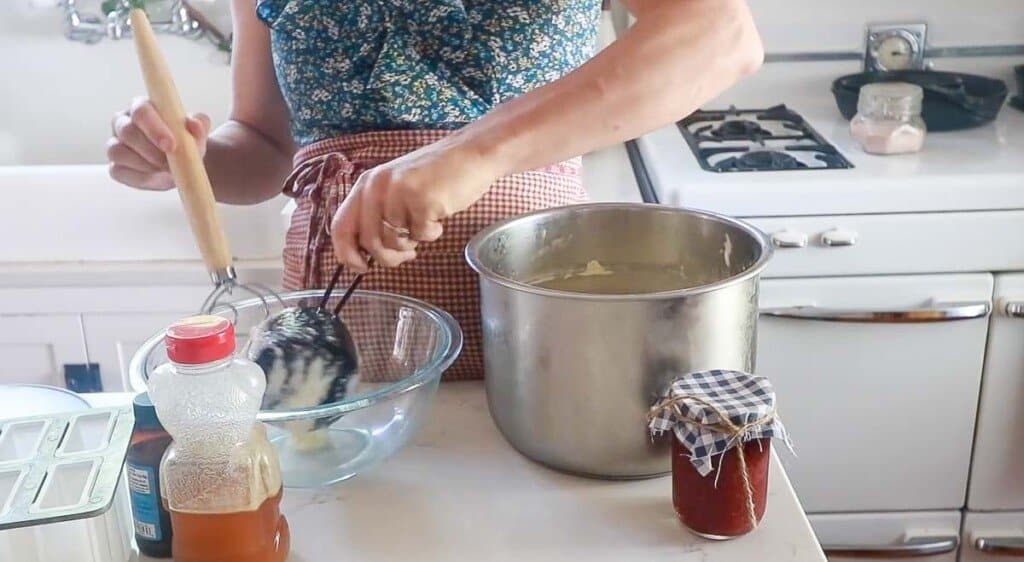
186 165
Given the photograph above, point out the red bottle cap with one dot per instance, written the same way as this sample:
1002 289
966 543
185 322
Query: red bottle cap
200 339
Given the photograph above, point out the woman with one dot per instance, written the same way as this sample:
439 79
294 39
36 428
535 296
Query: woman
403 127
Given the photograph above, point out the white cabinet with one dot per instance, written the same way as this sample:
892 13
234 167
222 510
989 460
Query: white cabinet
35 348
98 319
993 537
921 536
112 339
878 381
997 474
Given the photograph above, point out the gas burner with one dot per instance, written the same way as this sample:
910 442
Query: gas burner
742 140
739 129
759 160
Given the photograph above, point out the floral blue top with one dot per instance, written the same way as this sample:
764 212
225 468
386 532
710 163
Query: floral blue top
349 66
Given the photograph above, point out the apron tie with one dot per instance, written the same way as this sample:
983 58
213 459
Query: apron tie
320 179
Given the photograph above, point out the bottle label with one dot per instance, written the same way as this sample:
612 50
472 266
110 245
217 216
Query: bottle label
145 497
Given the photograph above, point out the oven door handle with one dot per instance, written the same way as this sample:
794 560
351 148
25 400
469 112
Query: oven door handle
939 312
911 548
1000 546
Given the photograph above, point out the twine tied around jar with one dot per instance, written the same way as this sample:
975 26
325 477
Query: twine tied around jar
712 411
725 426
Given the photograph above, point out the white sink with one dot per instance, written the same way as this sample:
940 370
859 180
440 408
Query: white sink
76 213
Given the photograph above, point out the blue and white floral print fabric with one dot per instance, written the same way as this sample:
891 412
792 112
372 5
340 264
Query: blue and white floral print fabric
351 66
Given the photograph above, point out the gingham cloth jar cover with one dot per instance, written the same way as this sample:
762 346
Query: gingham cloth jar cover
713 411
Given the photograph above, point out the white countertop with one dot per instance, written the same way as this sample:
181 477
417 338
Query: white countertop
460 492
976 169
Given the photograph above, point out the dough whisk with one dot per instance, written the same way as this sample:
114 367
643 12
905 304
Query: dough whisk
307 352
189 174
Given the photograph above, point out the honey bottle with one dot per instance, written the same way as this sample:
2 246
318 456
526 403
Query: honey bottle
220 478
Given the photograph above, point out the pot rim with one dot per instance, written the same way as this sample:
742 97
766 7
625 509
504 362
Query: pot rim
475 246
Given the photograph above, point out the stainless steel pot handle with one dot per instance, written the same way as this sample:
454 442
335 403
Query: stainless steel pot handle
1014 309
1001 546
911 548
945 312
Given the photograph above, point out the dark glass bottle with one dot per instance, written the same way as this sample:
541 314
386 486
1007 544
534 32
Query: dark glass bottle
149 441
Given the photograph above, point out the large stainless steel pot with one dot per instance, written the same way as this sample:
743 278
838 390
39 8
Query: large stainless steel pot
570 376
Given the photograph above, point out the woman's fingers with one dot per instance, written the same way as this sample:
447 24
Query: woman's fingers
140 144
425 230
395 234
395 238
198 125
345 234
119 153
371 222
145 117
132 136
130 168
142 180
388 213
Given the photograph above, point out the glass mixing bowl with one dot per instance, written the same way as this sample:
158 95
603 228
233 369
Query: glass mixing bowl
404 346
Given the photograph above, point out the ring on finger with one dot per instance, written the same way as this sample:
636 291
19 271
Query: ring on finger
400 231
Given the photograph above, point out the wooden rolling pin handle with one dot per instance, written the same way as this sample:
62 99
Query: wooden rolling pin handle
185 163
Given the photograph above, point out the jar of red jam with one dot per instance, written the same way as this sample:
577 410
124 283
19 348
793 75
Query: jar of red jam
715 506
723 423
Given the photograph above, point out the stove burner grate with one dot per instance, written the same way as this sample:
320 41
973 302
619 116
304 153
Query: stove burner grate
748 144
759 160
736 129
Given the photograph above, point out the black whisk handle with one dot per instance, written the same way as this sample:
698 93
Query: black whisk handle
351 288
331 285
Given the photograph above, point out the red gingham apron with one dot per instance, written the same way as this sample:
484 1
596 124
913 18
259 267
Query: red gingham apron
326 171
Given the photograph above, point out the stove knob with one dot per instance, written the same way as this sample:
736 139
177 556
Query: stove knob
839 237
789 239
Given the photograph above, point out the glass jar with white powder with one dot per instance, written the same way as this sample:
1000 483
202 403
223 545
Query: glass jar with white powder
888 119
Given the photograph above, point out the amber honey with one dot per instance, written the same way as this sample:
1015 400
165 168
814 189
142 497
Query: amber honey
240 536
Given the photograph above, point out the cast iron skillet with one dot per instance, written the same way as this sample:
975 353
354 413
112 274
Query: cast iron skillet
952 101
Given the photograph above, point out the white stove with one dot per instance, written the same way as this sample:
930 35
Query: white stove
888 310
979 169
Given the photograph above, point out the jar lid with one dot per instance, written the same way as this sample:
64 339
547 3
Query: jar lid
713 411
200 339
890 97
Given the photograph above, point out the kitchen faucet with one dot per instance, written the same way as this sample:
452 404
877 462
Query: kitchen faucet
92 28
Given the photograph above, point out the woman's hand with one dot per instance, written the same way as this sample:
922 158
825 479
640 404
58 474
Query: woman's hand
397 205
138 149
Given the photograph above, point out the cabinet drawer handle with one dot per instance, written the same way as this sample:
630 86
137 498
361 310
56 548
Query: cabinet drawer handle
1014 309
935 313
912 548
1001 546
836 238
789 239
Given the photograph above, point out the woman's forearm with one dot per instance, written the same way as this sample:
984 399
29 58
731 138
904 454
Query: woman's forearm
249 157
244 166
678 55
